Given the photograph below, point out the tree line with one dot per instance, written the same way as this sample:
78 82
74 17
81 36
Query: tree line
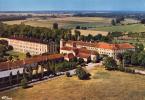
136 58
44 34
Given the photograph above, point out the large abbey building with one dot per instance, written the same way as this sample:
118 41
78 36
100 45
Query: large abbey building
31 45
85 50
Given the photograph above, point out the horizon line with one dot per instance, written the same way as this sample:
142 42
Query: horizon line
72 10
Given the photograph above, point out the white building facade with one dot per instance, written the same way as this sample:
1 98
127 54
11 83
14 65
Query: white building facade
101 47
33 47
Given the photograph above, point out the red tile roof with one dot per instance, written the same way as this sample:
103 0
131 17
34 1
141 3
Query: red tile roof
103 45
84 50
81 43
107 46
126 46
36 59
67 48
83 55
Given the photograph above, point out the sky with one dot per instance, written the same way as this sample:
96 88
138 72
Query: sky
97 5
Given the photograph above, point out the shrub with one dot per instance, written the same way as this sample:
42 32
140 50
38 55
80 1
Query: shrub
82 74
128 70
110 63
24 83
68 74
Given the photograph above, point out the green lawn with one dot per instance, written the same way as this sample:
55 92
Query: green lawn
123 28
15 54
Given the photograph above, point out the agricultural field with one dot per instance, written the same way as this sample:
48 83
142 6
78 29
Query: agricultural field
64 22
129 21
123 28
103 85
133 41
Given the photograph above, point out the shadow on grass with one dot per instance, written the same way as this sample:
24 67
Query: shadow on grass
29 86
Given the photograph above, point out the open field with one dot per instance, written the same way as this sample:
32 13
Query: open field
104 85
123 28
64 22
133 41
129 21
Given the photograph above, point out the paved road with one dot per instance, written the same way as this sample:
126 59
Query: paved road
92 65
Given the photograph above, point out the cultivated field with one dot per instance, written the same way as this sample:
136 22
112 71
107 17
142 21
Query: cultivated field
64 22
133 41
123 28
104 85
129 21
92 32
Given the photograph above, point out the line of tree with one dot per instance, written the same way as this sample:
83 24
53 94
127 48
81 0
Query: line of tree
42 33
4 47
13 17
46 34
45 68
117 20
136 57
133 57
78 36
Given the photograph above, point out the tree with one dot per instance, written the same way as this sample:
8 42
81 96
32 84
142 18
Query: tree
134 58
82 37
82 74
74 59
78 27
96 59
55 25
42 71
98 37
10 58
10 78
81 60
110 63
77 34
139 47
24 83
120 57
68 74
28 55
127 57
89 37
18 76
141 58
113 22
30 72
143 21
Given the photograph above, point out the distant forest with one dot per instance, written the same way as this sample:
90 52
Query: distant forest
135 15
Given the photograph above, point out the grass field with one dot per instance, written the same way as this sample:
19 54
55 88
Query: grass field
14 54
133 41
124 28
104 85
66 22
129 21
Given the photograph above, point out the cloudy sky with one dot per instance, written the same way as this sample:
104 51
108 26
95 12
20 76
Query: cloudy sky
32 5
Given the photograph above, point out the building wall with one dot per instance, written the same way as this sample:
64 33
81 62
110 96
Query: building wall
101 51
65 52
32 47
